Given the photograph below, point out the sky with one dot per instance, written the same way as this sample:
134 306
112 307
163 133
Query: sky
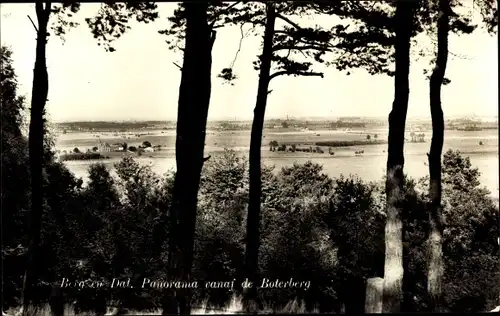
139 81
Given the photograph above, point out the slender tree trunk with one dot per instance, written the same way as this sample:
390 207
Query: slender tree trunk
393 268
35 142
194 99
435 263
253 218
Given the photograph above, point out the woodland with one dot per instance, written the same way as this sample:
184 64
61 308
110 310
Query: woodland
397 245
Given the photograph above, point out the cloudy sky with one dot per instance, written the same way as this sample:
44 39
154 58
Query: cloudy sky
139 80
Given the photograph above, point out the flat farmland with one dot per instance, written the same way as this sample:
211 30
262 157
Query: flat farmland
369 166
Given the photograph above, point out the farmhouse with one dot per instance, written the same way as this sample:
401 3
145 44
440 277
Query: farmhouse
117 147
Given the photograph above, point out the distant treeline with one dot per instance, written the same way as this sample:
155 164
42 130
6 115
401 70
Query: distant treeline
103 125
82 156
347 143
341 124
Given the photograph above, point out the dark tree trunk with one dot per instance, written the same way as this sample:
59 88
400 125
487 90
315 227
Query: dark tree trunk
354 295
56 301
253 218
393 268
194 99
435 263
36 130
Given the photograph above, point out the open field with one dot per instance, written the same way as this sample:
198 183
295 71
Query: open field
370 166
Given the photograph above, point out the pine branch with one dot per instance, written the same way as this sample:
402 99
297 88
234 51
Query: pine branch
278 15
212 25
296 47
296 73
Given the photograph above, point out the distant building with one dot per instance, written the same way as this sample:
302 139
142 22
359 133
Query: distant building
103 147
117 147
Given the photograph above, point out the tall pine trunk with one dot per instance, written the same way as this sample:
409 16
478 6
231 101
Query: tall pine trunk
435 259
194 99
393 268
253 218
35 142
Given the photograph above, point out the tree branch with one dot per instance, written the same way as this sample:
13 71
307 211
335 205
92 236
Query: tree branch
46 12
177 66
305 47
212 38
48 6
239 46
278 15
221 13
33 23
301 40
39 9
298 73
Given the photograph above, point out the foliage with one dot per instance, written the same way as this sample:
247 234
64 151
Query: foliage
346 143
64 14
314 228
175 34
111 22
81 156
15 178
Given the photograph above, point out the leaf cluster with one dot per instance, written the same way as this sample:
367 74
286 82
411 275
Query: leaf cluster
113 19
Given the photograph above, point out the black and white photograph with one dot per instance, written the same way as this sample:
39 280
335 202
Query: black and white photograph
249 157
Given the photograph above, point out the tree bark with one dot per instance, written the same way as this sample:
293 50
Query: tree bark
194 99
393 268
35 142
255 186
435 263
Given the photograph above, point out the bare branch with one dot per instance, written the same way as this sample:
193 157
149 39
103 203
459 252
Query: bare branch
33 23
239 46
177 66
296 73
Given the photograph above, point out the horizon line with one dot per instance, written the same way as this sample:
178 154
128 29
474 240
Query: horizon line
270 118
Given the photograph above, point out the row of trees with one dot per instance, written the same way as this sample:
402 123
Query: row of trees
378 38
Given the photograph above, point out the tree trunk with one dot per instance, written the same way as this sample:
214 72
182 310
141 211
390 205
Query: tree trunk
56 301
393 268
194 99
36 129
255 188
435 263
